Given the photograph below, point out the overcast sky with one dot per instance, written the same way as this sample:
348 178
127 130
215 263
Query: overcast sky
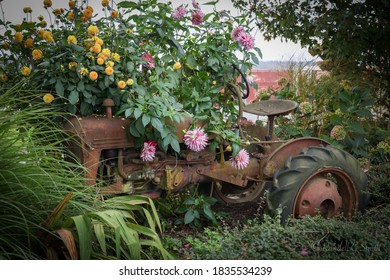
272 50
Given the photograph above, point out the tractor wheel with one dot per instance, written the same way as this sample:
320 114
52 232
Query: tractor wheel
319 180
232 194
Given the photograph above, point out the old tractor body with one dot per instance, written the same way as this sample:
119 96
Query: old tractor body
304 176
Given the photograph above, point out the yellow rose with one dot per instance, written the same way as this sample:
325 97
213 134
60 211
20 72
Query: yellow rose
100 61
72 65
47 3
40 33
70 16
116 56
57 12
121 84
96 48
110 63
129 82
93 30
177 66
106 53
109 71
18 37
89 8
83 71
48 36
72 4
72 39
3 78
87 13
27 10
93 75
29 43
48 98
43 24
104 3
37 54
26 71
114 14
97 40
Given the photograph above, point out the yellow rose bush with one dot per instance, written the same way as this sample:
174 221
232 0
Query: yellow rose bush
157 61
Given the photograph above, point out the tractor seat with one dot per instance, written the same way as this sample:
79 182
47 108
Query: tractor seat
276 107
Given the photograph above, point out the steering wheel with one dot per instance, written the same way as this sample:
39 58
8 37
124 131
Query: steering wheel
233 89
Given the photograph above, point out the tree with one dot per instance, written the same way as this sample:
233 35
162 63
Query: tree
351 37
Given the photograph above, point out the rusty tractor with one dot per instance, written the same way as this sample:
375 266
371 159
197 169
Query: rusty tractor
304 176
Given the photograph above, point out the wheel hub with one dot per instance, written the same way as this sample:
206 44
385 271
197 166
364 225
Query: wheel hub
319 196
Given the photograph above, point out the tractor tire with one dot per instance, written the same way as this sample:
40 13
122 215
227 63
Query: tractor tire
319 180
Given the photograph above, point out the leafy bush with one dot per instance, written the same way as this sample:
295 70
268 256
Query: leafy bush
46 210
196 209
158 62
365 237
188 207
338 111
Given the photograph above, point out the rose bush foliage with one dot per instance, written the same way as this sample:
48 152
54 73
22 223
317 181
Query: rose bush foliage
159 62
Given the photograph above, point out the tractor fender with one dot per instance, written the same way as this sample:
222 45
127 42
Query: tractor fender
278 157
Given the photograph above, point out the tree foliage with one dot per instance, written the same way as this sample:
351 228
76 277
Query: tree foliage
349 36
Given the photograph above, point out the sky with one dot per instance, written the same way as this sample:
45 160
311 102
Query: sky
272 50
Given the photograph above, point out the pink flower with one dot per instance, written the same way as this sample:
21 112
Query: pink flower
241 160
195 5
148 151
197 17
149 59
195 140
237 32
179 12
304 252
246 40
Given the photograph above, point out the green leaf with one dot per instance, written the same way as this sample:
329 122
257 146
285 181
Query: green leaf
59 88
133 131
235 149
140 127
80 86
175 145
127 4
84 232
100 236
73 97
355 127
145 119
191 62
254 58
157 124
189 216
137 113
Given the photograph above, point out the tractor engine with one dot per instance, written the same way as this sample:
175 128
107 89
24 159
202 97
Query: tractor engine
113 163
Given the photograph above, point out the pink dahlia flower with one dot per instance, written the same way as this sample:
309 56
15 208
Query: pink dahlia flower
246 40
148 151
196 139
179 12
197 17
149 59
237 32
241 160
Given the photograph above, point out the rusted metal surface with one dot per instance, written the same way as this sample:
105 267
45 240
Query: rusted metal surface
227 173
278 157
232 194
328 192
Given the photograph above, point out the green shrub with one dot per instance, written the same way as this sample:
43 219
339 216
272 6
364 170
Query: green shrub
46 210
365 237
